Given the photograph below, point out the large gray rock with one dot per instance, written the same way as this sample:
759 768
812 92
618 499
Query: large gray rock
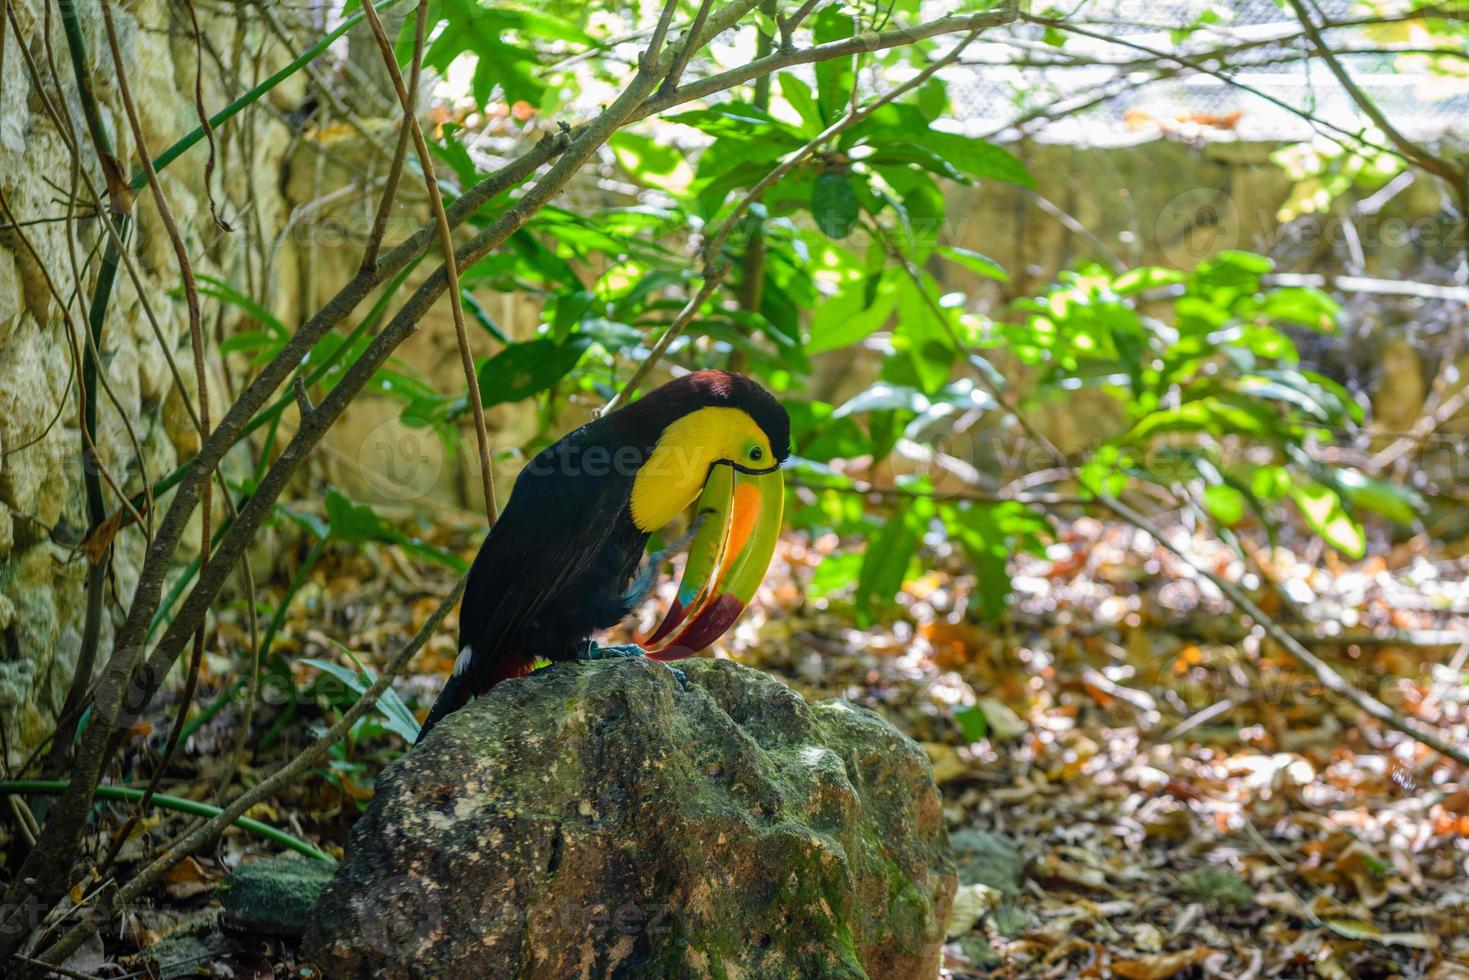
598 820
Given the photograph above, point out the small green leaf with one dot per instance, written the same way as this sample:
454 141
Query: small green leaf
835 573
849 316
398 719
972 723
1303 305
221 290
1225 504
613 336
885 566
1396 503
987 546
1145 278
975 262
881 396
798 94
976 157
834 77
1323 510
525 369
922 336
834 204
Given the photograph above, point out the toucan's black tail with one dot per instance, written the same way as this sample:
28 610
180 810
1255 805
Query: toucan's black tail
450 699
470 679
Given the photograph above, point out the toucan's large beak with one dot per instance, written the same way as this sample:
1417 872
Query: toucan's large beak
739 522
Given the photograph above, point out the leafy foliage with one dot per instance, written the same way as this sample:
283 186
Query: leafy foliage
843 257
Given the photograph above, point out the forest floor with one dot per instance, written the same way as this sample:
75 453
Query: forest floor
1162 794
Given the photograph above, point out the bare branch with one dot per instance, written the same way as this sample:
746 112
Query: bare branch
446 241
1412 151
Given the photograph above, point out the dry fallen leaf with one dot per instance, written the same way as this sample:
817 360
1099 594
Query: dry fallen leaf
971 902
1162 966
187 879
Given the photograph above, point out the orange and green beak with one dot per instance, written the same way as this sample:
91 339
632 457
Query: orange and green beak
739 514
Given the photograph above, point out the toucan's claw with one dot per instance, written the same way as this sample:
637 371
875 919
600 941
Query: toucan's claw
591 651
678 675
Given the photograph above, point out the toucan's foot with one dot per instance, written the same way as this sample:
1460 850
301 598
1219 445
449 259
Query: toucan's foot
591 651
678 675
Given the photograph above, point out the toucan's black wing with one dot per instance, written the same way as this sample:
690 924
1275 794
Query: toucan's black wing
542 579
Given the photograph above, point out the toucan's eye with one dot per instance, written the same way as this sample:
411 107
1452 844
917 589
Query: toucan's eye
757 454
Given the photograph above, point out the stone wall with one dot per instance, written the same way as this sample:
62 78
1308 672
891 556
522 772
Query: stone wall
42 505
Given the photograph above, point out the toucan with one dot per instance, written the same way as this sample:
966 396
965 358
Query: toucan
562 560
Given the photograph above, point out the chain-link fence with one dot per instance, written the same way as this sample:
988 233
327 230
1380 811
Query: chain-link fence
1241 68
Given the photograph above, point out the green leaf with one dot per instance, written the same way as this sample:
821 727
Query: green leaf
652 161
834 204
972 723
397 718
1396 503
453 152
1145 278
834 78
351 521
973 261
905 123
740 123
528 368
567 310
835 573
1212 415
613 336
933 98
987 546
1270 483
1225 504
922 336
1303 305
259 344
885 566
893 159
221 290
483 30
977 157
1324 512
798 94
848 317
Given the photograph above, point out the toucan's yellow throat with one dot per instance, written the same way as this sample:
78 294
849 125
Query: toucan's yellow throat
685 454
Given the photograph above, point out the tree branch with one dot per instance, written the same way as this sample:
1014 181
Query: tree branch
446 243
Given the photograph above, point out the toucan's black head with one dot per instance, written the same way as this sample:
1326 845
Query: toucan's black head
691 424
724 389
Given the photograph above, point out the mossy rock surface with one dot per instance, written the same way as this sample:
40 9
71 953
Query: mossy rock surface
598 820
272 895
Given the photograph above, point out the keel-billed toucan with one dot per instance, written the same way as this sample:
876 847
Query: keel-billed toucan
558 564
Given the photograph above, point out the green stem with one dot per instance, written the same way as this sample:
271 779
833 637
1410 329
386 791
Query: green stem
55 787
91 350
